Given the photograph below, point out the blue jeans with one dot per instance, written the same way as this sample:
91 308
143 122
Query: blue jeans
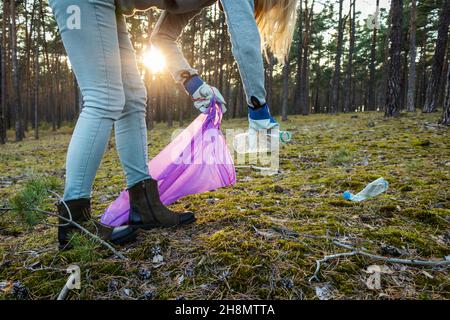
104 62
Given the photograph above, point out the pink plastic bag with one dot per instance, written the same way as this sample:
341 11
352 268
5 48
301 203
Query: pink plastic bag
196 161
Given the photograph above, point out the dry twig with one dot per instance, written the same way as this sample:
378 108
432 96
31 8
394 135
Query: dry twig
362 252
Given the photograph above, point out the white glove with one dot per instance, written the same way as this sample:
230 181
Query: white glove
202 98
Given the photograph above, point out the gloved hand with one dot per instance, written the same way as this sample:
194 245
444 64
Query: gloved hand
202 93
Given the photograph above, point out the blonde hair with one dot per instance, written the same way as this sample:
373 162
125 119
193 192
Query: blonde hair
276 23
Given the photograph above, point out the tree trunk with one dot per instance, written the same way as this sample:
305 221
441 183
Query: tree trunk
298 76
304 79
36 89
148 78
16 77
3 136
30 24
269 79
227 84
411 105
239 100
168 106
432 97
317 106
334 108
221 51
394 87
285 102
385 73
373 57
404 74
446 115
349 78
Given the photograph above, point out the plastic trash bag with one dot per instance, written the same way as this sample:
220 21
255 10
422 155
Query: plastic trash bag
196 161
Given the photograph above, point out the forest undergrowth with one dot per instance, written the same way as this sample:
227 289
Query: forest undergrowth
260 238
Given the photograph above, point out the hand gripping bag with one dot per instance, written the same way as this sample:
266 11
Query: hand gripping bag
196 161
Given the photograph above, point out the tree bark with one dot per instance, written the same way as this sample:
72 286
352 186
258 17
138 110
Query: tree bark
446 114
16 77
337 64
392 107
3 136
385 72
432 97
373 57
298 77
285 101
269 79
148 77
36 88
317 106
411 105
349 77
304 79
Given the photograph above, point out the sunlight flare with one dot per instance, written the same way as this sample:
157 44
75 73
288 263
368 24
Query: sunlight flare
154 60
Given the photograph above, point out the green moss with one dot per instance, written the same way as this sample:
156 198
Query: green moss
400 238
388 210
427 216
222 256
341 156
341 203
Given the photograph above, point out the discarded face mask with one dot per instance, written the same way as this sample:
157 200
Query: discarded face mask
196 161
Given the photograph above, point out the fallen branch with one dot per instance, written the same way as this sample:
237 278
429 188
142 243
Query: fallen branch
269 170
430 263
293 234
362 252
328 258
4 210
69 221
81 228
88 233
254 167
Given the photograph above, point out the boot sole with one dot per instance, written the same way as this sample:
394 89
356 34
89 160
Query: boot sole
156 226
127 239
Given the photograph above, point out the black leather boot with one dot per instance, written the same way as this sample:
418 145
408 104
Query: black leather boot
147 210
80 210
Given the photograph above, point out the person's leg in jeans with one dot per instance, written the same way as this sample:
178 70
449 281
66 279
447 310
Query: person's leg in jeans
95 55
93 50
147 210
131 129
100 61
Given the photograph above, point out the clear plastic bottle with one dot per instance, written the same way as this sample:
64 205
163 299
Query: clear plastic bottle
373 189
260 142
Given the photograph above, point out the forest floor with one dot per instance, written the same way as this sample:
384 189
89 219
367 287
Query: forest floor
262 237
